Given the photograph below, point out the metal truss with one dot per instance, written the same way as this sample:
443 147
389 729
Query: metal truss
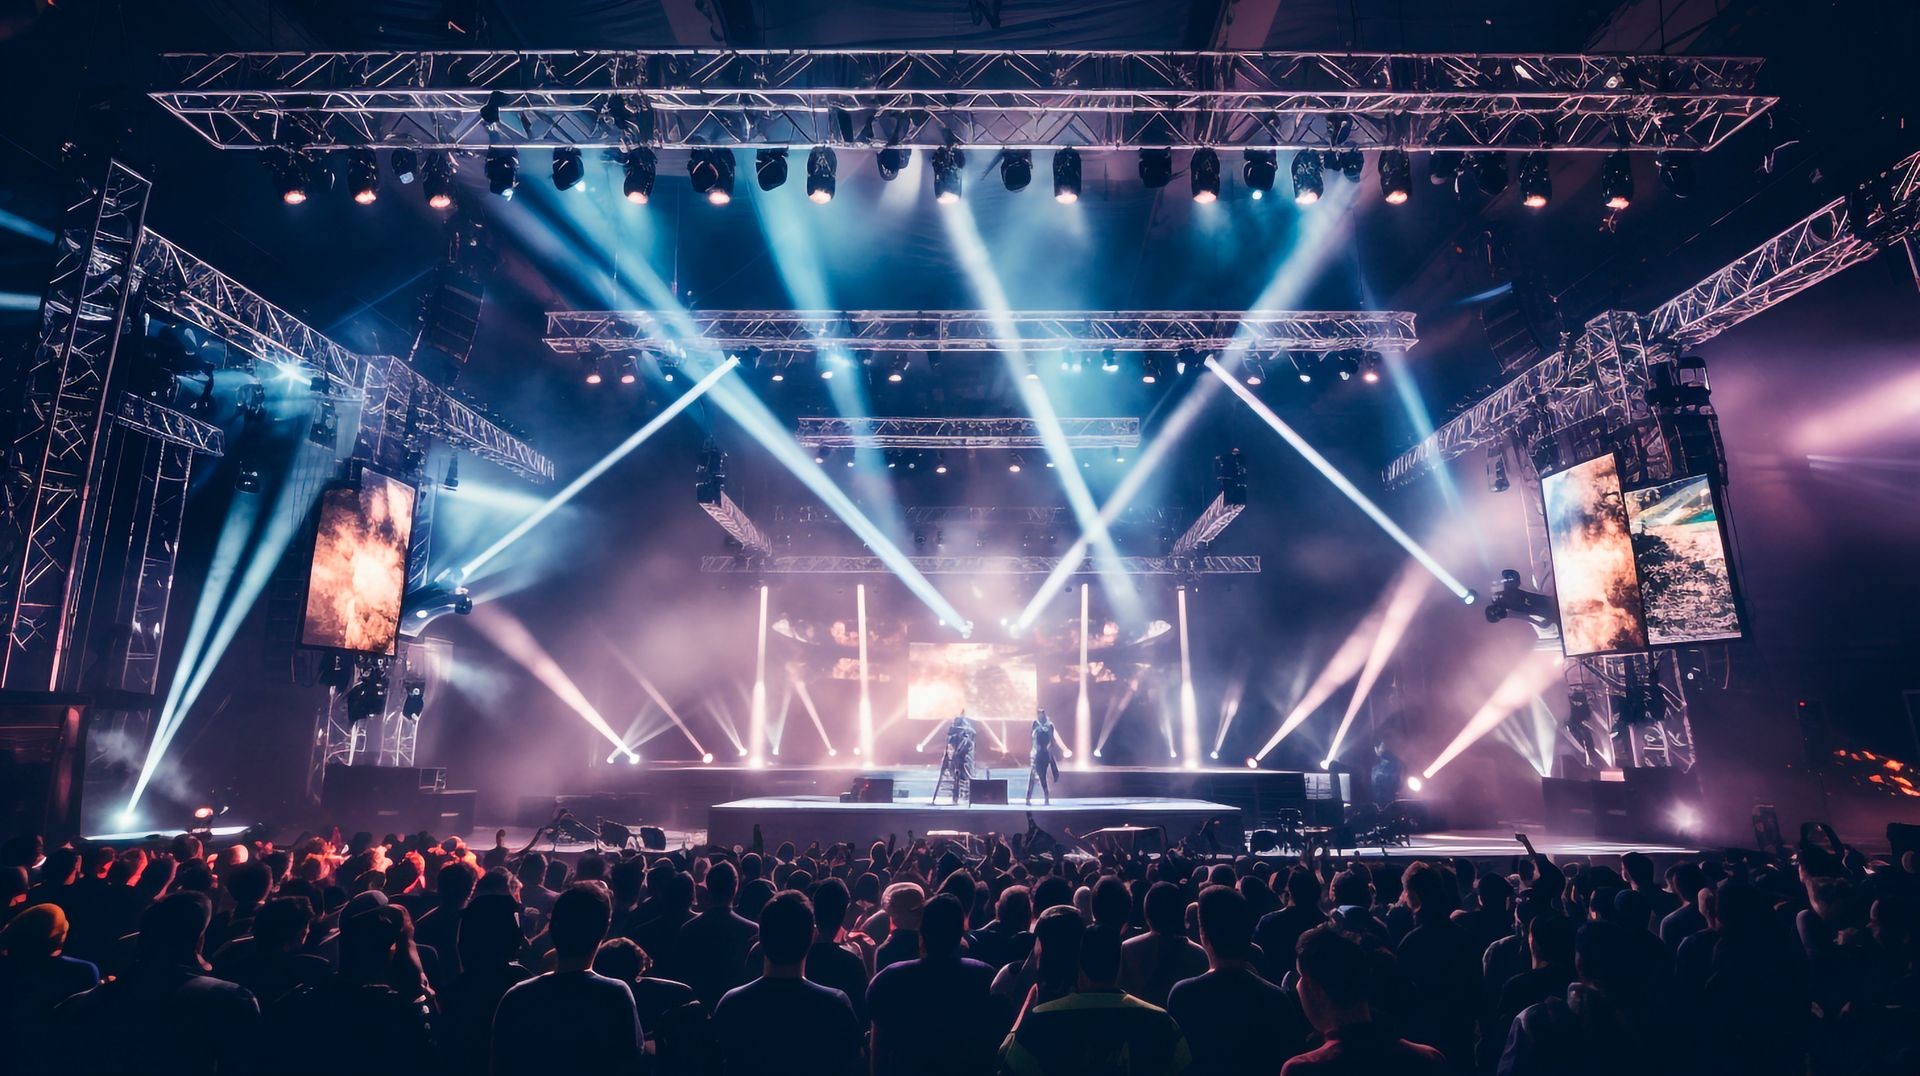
926 98
1257 331
159 512
1017 515
1215 519
836 432
166 424
1566 389
186 287
979 565
1666 742
62 414
733 519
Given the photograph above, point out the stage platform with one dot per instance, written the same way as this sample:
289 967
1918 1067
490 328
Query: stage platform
802 819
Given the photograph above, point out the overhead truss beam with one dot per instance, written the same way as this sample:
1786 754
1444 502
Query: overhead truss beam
1571 386
979 565
950 331
733 519
925 98
1217 518
958 433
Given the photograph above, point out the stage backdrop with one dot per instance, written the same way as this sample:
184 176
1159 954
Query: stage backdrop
1594 578
987 681
359 573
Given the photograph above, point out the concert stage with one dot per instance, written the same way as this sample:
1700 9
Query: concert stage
826 819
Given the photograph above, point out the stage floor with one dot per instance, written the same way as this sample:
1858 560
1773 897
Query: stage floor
802 819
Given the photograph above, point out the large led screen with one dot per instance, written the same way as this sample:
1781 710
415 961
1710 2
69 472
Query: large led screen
1685 586
1594 577
359 573
986 681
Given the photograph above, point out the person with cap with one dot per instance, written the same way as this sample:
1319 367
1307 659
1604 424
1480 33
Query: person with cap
903 902
35 976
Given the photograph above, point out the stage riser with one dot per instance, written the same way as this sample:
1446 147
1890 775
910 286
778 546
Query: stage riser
859 824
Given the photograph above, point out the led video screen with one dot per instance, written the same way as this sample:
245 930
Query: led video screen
1594 577
1685 587
359 572
986 681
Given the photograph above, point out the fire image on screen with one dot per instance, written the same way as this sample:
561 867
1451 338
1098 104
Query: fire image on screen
987 681
359 572
1684 582
1594 577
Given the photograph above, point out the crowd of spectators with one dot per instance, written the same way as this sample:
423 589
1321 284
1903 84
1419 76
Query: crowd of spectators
417 955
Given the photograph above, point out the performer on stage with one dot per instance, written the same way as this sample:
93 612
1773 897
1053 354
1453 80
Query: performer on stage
958 764
1042 761
1387 774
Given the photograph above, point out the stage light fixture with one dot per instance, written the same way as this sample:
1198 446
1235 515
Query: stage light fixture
1156 168
405 164
568 169
247 478
1415 784
1109 362
770 167
628 373
1307 183
1033 368
1203 171
939 463
822 167
452 479
1676 172
1302 368
892 161
490 109
711 171
1346 363
1255 372
949 174
437 184
414 702
503 171
1349 162
1536 181
1370 367
1396 176
1013 464
1016 168
640 166
897 369
363 176
1490 172
1443 166
1616 180
591 364
290 179
1259 168
1066 176
668 370
325 429
1152 367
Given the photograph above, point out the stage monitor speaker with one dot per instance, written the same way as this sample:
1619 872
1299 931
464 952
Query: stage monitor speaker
872 789
988 790
653 838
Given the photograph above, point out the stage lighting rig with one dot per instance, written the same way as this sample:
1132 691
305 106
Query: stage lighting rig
1396 176
1066 176
1349 162
822 168
367 699
1497 481
1303 368
1156 168
629 370
892 161
711 171
568 169
1616 180
1152 367
1676 172
1016 168
1109 362
1443 167
1203 171
640 166
503 171
490 110
291 178
1307 184
1490 173
414 702
437 184
325 428
770 168
1536 181
336 671
405 164
1346 362
1508 599
1370 367
363 176
949 174
1258 169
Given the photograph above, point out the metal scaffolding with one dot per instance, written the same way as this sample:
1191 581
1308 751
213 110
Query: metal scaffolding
804 564
958 331
1216 518
927 98
733 519
959 433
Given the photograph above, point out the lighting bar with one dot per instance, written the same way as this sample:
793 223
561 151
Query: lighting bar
958 433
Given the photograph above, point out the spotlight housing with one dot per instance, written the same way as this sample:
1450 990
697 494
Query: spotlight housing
405 164
1346 363
1370 367
1203 171
363 176
1066 176
1443 166
1616 180
1016 168
1152 367
437 184
1156 168
568 170
1258 169
1396 176
1307 183
1490 172
1349 162
711 171
770 167
1676 172
949 174
892 161
290 179
641 166
1109 362
822 167
503 171
1536 181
